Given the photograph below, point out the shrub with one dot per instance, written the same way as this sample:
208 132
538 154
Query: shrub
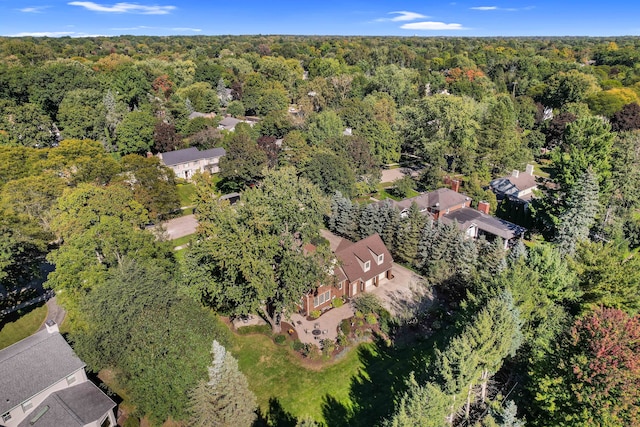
315 314
327 346
298 345
345 326
367 303
337 302
131 421
343 341
359 315
280 339
371 319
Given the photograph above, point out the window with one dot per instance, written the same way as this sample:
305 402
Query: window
6 417
367 266
322 298
380 259
27 405
340 285
71 379
106 422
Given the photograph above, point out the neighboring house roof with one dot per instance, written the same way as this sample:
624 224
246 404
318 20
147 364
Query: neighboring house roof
190 154
512 185
229 123
438 200
466 217
354 255
196 114
74 406
32 365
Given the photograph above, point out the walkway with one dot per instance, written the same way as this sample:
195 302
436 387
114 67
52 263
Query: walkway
54 312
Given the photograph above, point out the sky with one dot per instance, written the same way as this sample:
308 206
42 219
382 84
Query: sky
330 17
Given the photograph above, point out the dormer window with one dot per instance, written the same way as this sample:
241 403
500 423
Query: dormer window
367 266
380 259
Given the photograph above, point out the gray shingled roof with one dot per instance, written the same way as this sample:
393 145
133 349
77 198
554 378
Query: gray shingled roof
487 223
74 406
33 364
511 185
190 154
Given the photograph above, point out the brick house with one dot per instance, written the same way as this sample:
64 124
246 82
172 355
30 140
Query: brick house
44 384
361 266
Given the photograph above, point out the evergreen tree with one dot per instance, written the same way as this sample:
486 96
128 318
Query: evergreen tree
225 400
420 406
580 215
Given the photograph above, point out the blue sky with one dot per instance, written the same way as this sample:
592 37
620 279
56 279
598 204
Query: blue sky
329 17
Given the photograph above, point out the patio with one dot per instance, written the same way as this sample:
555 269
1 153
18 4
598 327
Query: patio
327 324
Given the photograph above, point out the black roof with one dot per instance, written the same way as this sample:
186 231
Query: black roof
190 154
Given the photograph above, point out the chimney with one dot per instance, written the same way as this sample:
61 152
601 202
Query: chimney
515 173
530 170
455 185
51 326
483 206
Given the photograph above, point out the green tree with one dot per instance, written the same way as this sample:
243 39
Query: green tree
225 400
420 406
243 163
330 173
82 114
325 128
28 125
135 132
139 324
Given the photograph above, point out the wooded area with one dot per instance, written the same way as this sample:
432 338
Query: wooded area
544 332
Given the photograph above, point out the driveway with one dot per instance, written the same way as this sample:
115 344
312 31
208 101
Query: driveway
390 175
405 293
180 227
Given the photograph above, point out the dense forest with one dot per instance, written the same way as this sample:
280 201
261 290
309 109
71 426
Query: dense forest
546 333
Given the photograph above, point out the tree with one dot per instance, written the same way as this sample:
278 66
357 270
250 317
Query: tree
581 209
325 128
165 137
139 324
224 400
82 114
243 163
330 173
420 406
592 376
587 143
628 118
500 143
135 132
571 86
28 125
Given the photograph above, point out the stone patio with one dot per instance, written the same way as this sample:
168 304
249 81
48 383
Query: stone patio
327 324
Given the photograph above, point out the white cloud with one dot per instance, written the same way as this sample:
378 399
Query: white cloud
485 8
195 30
508 9
431 25
42 34
403 15
144 27
33 9
124 8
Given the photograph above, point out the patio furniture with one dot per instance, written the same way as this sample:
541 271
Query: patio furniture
316 326
316 332
325 331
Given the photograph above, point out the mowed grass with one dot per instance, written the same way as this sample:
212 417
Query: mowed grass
26 325
186 192
274 373
358 390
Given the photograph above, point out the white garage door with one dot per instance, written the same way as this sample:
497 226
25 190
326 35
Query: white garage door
368 283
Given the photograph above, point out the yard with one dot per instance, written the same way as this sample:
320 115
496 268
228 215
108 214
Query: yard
22 326
357 390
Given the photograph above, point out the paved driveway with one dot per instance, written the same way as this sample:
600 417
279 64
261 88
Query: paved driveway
180 227
404 293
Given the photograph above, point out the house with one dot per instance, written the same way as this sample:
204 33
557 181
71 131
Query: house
229 123
44 384
476 223
436 203
360 267
519 185
185 163
448 205
197 114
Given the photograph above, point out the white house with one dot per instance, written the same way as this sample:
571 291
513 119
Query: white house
43 384
185 163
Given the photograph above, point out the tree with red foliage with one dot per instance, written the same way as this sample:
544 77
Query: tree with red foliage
165 137
626 119
593 377
270 148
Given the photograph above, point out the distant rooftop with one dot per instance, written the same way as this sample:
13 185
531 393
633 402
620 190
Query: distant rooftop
190 154
466 217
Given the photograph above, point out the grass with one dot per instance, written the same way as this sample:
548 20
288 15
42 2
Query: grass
186 192
358 390
182 240
274 373
22 327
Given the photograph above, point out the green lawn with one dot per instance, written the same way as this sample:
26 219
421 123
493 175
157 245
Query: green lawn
186 192
182 240
22 327
359 390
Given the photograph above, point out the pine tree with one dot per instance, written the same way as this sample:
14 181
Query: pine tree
420 406
580 215
369 221
225 400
